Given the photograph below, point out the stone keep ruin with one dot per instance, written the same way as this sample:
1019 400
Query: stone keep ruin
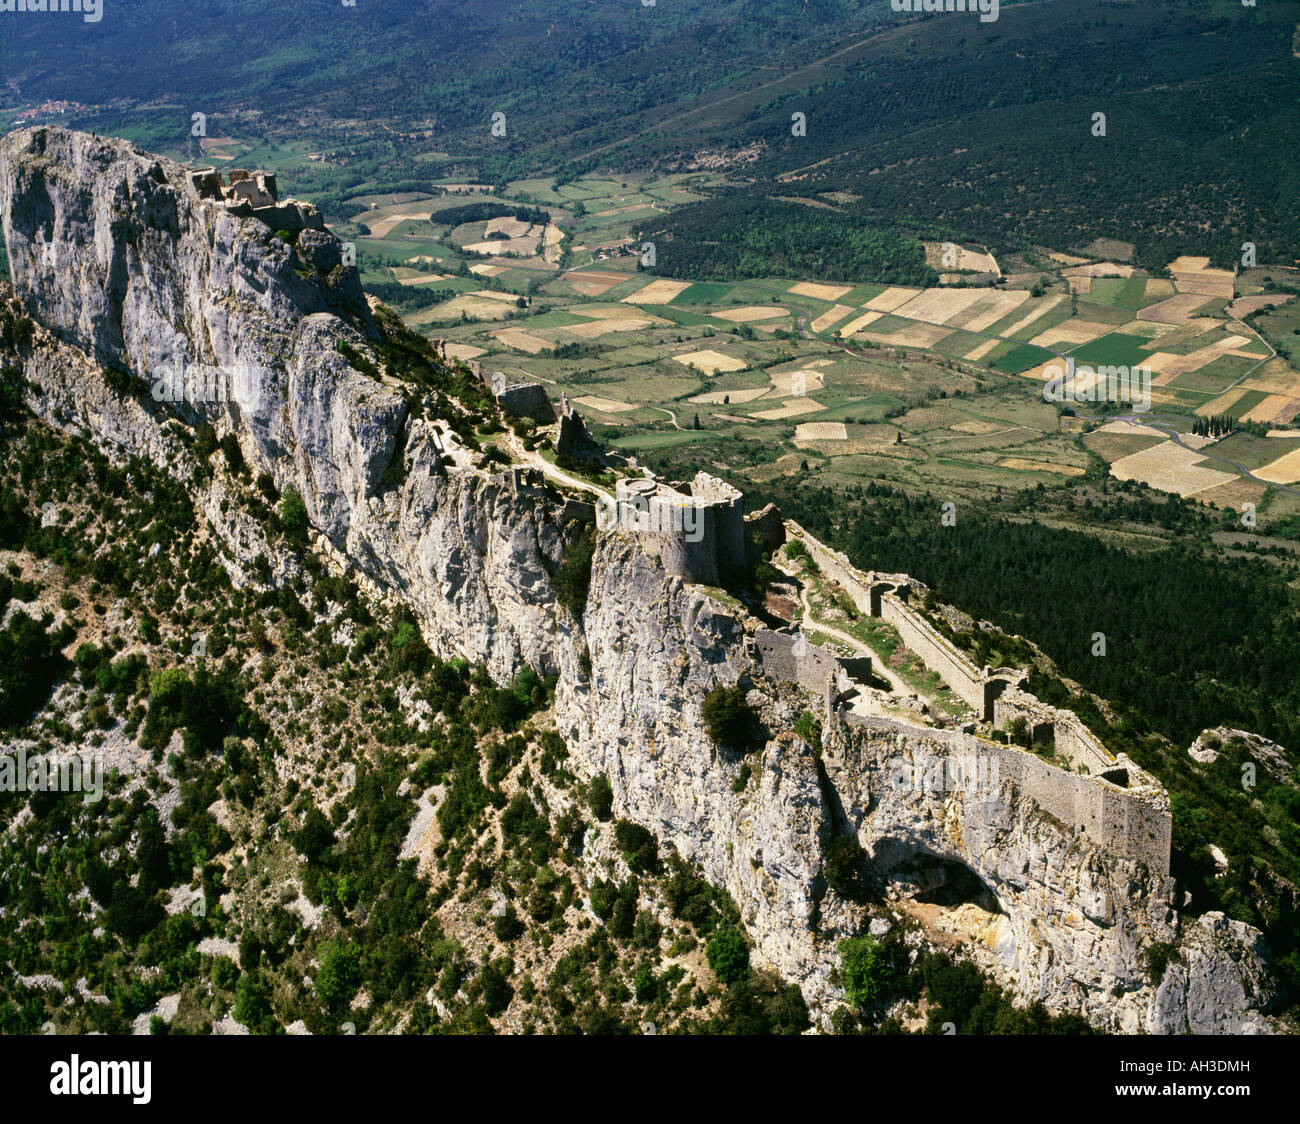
256 194
697 529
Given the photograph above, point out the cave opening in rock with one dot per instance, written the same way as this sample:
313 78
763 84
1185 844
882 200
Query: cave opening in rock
932 880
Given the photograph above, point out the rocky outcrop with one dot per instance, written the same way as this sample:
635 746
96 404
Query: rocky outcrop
154 277
1219 983
146 277
1054 915
657 646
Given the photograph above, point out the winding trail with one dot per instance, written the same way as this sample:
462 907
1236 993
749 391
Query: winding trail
878 665
661 410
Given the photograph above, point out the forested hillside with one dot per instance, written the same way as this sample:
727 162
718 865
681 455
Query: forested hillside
933 122
748 236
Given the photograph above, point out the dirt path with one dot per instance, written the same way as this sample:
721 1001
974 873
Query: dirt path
535 460
671 415
878 665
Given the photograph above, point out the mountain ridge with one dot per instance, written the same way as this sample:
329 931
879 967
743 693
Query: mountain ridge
394 479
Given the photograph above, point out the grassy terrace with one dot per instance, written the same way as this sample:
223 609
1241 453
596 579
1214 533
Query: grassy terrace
832 606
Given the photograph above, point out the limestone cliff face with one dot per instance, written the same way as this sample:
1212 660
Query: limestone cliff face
1055 915
656 647
146 275
1050 913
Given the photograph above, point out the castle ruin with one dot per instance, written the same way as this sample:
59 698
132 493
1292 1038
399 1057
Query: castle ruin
1106 797
697 529
255 195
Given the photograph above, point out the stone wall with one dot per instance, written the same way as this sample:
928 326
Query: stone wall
697 530
839 569
937 651
1071 738
724 508
790 658
1131 815
571 437
1134 822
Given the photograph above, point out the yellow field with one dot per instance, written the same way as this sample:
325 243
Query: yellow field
1194 275
1271 409
791 408
1223 403
820 431
657 292
718 397
914 335
522 341
820 292
711 362
479 306
982 350
939 305
595 282
891 299
1040 308
858 323
463 351
1195 360
1130 430
618 312
604 327
1099 269
1242 306
417 278
1071 331
391 217
1170 468
826 319
966 259
988 311
525 247
784 383
605 405
1175 310
752 313
1284 470
509 226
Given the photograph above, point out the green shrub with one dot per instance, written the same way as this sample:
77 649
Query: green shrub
728 954
808 728
865 969
338 977
640 849
600 798
727 717
293 513
573 578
